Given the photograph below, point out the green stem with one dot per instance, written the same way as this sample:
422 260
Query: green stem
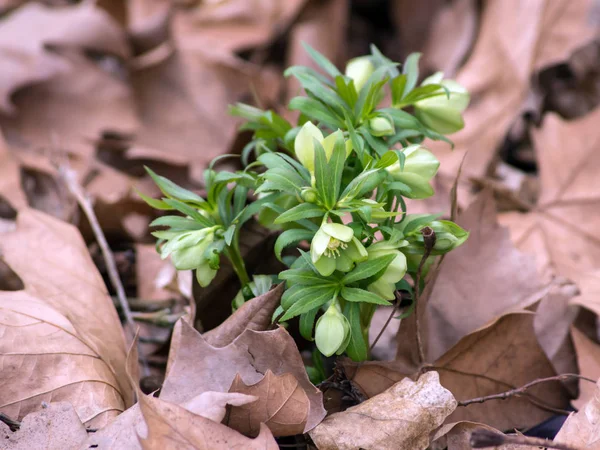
233 253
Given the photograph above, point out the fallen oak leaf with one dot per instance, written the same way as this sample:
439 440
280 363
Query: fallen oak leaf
63 324
282 405
27 32
502 355
54 427
254 314
213 405
172 426
588 361
199 367
476 270
568 204
400 418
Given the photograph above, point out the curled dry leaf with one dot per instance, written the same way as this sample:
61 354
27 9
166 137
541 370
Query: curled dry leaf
199 367
581 429
255 315
171 426
62 339
503 355
568 205
54 427
10 182
588 361
213 405
26 33
282 405
402 417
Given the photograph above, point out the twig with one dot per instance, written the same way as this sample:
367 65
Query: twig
84 202
429 241
387 322
12 424
482 438
522 389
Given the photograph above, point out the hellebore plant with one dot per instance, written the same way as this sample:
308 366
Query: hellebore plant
333 186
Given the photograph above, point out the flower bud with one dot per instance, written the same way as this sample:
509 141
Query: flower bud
443 113
448 235
309 195
420 166
360 69
304 145
381 126
331 331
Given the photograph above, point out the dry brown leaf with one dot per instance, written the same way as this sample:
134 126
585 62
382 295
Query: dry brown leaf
588 360
171 426
282 405
582 429
515 39
26 33
199 367
54 427
62 337
470 289
501 356
456 436
255 314
569 203
10 180
400 418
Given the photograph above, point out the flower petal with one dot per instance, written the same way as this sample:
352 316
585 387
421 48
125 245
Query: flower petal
337 230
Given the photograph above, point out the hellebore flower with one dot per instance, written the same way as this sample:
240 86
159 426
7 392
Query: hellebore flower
304 145
188 250
420 166
332 332
335 247
359 69
385 285
443 113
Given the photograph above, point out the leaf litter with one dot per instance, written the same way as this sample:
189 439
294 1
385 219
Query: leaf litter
111 87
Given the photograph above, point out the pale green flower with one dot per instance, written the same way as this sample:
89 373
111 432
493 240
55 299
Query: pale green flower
442 113
420 166
335 247
332 331
304 145
359 69
188 251
385 285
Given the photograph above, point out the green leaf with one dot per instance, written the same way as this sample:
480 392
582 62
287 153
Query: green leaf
313 297
416 223
316 111
246 111
346 90
398 85
378 144
368 102
245 214
154 203
228 235
307 323
402 119
362 296
172 190
336 168
367 90
304 276
301 211
411 70
323 177
177 222
356 185
290 237
322 61
368 269
381 60
357 348
188 211
320 92
386 160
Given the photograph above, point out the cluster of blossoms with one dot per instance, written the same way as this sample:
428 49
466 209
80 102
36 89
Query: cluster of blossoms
334 183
